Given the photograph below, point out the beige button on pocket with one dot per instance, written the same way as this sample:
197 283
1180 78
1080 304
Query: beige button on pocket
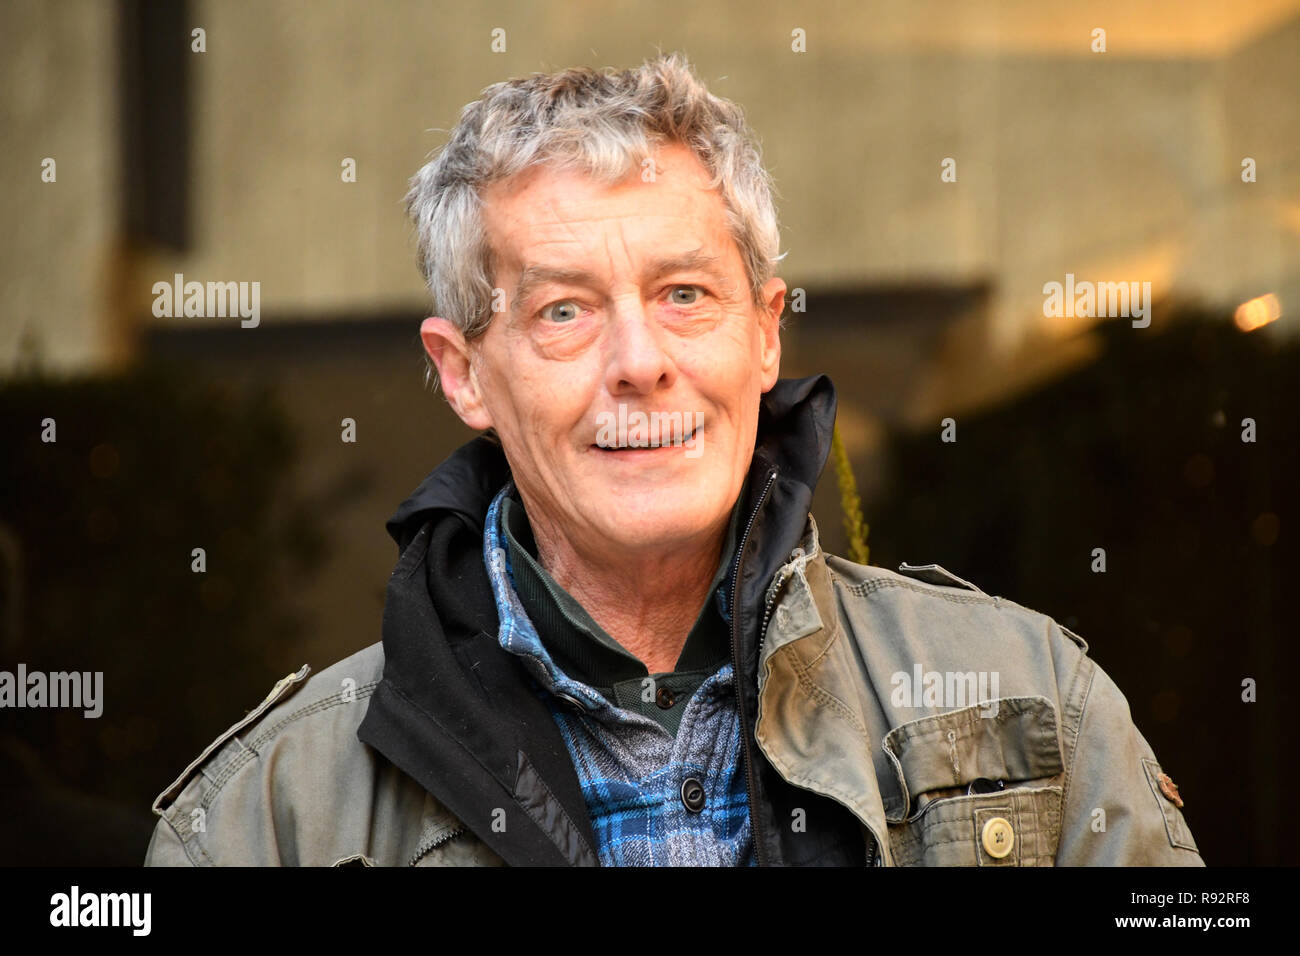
998 837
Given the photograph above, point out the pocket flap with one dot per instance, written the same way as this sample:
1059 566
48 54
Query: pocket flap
1010 739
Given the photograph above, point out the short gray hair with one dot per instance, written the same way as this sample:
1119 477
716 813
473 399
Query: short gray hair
604 123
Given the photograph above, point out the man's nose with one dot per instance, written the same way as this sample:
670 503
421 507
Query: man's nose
638 357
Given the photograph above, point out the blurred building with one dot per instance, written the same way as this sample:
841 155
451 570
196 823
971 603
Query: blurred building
1117 166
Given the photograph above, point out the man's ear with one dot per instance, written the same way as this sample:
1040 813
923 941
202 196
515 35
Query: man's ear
451 357
770 329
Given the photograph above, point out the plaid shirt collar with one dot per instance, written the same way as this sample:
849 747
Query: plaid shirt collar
517 635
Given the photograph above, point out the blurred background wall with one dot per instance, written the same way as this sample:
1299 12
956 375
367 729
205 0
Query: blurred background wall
924 301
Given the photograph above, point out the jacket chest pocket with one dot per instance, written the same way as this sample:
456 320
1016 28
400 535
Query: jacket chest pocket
980 786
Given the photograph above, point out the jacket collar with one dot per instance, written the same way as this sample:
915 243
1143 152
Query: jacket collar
794 440
456 712
807 657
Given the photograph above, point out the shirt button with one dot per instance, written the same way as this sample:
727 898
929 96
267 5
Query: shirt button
998 837
665 698
692 795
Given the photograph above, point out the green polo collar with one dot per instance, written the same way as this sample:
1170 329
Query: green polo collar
584 651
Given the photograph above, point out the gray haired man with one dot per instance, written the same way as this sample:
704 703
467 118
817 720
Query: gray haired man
612 636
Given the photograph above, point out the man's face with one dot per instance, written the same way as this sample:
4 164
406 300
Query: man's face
632 296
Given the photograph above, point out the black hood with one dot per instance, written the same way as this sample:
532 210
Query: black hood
460 715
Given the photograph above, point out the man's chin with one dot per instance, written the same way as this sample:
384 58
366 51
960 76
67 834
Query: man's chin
653 542
656 525
654 496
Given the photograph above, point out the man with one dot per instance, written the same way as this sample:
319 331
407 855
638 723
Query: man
612 637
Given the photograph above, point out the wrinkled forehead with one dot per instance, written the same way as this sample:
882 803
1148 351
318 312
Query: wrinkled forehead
553 217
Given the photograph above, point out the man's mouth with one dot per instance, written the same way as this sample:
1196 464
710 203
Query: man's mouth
647 442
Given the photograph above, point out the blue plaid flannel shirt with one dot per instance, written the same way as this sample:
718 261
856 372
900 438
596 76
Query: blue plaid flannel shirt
631 769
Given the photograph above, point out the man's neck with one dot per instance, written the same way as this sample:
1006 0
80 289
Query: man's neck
648 602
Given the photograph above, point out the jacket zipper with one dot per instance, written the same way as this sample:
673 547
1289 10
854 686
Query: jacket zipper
740 700
430 845
873 845
767 616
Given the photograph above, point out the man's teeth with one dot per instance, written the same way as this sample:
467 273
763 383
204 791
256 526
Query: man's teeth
652 443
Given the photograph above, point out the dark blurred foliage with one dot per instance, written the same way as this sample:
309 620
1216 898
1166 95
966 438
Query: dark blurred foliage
1141 453
146 467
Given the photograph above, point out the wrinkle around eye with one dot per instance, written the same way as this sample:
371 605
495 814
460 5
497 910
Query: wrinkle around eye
564 340
693 318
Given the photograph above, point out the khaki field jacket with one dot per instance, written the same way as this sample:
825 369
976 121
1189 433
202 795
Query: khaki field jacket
876 689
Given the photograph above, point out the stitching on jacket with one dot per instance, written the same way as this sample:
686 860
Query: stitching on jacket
825 696
818 786
526 766
827 789
1019 848
251 750
1017 793
185 844
1084 661
835 633
863 588
826 649
171 815
965 717
198 845
1073 703
365 690
1023 797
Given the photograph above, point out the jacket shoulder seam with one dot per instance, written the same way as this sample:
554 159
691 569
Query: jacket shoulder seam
187 845
1087 669
249 749
863 588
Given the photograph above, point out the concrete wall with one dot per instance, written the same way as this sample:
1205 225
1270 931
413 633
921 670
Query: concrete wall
1115 165
57 99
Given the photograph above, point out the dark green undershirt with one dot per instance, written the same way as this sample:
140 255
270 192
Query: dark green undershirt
581 648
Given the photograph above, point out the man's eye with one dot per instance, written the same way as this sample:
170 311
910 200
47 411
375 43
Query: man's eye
565 310
693 291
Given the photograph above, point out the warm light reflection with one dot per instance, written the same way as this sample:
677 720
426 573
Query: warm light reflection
1257 312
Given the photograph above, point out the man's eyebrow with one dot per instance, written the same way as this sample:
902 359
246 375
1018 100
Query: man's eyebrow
534 276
